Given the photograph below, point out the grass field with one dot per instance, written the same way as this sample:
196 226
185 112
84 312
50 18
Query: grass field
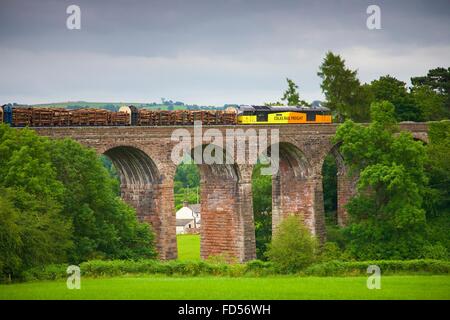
281 287
188 246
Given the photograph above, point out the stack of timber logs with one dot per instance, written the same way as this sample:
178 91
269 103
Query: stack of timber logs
45 117
22 117
118 118
89 117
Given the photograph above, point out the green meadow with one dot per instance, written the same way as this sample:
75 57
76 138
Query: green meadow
188 246
276 287
222 287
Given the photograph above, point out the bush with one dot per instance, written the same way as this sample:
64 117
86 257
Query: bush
259 268
436 251
58 204
340 268
96 268
48 272
100 268
293 248
330 251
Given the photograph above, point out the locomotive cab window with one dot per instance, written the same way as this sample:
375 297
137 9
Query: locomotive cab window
261 116
310 116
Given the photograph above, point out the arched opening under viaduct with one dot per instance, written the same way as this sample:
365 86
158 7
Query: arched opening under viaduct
329 183
297 189
262 205
186 189
141 188
339 186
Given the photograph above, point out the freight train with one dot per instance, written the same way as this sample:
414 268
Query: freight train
132 116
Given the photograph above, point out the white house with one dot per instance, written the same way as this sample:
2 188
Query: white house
188 218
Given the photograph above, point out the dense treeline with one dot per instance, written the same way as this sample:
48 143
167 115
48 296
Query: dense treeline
427 99
402 210
388 216
186 184
58 203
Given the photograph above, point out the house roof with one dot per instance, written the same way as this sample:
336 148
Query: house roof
183 222
195 207
186 212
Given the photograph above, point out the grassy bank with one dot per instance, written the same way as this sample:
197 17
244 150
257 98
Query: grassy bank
277 287
188 246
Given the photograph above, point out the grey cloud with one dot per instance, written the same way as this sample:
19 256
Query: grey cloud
210 51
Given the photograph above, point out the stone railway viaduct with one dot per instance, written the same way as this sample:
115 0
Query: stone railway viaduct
142 156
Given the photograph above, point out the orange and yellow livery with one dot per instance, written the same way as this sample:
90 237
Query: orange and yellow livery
282 115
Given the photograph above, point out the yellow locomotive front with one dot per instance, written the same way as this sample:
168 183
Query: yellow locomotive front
282 115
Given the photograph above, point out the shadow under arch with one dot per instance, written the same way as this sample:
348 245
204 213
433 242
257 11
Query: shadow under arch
345 182
135 167
421 138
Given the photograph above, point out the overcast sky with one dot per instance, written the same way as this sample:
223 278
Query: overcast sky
208 51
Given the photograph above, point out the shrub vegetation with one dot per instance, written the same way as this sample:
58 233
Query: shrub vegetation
255 268
293 247
59 204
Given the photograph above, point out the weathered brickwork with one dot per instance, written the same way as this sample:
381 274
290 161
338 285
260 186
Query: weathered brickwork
142 156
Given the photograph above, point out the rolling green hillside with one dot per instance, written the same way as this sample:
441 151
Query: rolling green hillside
117 105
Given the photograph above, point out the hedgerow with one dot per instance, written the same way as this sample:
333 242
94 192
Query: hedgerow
255 268
340 268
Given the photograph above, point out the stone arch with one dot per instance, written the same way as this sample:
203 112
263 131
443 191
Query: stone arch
134 165
296 189
142 188
346 182
419 136
227 226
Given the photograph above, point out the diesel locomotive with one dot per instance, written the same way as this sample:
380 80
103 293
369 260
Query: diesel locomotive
132 116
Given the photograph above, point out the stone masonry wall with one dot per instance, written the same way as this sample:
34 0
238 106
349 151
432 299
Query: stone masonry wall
227 217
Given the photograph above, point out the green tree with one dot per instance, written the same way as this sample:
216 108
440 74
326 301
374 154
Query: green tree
430 103
437 197
262 209
59 204
107 163
188 174
388 88
387 218
186 184
293 248
291 95
329 181
271 104
438 168
344 94
10 236
439 80
104 226
31 199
